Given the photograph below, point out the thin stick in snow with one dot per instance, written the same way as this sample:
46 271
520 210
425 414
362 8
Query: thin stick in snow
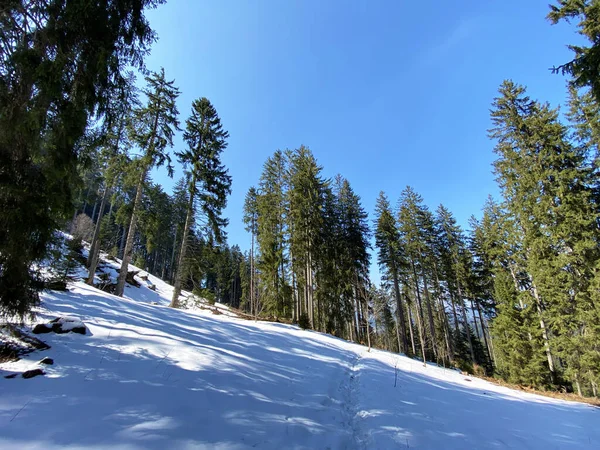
19 411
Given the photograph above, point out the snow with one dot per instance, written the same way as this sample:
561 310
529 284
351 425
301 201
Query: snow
150 377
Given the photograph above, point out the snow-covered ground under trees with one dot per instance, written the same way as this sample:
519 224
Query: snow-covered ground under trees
150 377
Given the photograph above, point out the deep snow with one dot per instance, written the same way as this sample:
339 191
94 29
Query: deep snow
147 376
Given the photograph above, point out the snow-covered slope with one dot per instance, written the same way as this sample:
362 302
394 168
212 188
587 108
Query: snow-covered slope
147 376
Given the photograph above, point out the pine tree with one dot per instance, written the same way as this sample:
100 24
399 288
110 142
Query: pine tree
115 144
410 210
272 207
306 197
209 182
251 220
60 60
387 241
547 187
584 67
153 127
354 258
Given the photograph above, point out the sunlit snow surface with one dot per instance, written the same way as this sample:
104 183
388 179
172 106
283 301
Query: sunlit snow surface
147 376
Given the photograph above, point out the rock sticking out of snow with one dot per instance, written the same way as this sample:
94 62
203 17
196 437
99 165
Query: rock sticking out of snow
61 325
47 361
32 373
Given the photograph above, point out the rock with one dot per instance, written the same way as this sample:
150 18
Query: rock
151 287
154 303
12 375
41 328
56 285
48 361
32 373
61 325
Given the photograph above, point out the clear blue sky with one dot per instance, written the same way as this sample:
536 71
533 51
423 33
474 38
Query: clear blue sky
387 93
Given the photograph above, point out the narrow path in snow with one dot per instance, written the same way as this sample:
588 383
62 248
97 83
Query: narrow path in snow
351 416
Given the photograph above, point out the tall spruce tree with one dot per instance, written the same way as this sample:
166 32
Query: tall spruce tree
251 220
546 183
272 213
585 65
389 246
153 128
209 183
60 61
115 144
306 197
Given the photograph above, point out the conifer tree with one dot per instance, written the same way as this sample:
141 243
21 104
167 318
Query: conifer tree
272 207
59 62
251 220
585 65
387 241
306 197
546 183
209 183
115 144
153 127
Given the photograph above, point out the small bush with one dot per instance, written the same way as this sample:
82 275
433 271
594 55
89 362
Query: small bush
304 321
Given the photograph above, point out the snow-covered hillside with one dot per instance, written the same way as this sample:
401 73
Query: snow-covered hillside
147 376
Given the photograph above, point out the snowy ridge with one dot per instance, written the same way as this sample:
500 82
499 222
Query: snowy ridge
148 376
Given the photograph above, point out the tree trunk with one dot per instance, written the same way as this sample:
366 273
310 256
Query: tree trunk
252 306
400 313
419 313
429 313
483 330
130 236
93 257
182 251
410 328
538 304
172 263
465 322
94 210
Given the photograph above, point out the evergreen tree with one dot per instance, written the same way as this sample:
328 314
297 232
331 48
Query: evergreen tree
306 196
585 65
115 144
153 127
546 183
251 220
209 182
387 241
60 61
272 264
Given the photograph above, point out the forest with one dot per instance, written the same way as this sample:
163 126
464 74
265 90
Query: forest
514 294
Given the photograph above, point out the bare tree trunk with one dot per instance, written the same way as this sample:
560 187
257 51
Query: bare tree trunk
130 236
419 313
94 210
92 261
429 313
400 313
465 322
474 318
483 330
412 333
183 250
538 304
